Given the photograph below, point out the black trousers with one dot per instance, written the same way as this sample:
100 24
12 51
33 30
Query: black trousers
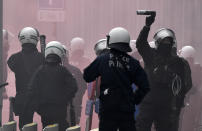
25 119
48 120
163 118
52 114
114 121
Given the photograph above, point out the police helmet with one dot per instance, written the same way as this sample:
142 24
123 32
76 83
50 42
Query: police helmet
119 39
54 47
187 52
100 46
28 35
162 34
66 52
77 43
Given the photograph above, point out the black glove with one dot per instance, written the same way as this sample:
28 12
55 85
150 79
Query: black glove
150 19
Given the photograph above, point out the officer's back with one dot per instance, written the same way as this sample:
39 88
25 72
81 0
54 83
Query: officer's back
52 79
117 71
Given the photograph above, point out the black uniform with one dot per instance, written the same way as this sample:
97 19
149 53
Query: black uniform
24 64
76 105
170 80
118 71
51 89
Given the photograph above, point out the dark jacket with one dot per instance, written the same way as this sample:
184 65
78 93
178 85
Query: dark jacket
24 64
118 71
52 84
169 77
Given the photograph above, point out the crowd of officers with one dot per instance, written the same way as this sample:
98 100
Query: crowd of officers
53 82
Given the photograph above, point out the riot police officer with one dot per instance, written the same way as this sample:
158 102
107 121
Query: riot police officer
169 77
52 87
118 71
75 107
23 64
